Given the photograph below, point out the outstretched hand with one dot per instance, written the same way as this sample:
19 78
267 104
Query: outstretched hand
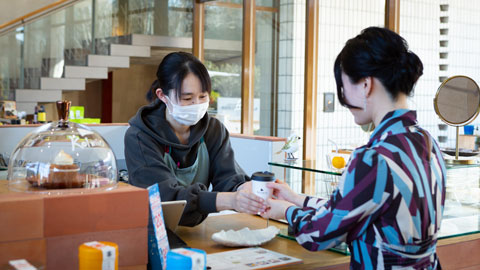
282 191
277 209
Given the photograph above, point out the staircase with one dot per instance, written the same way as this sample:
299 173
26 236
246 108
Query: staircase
134 48
75 77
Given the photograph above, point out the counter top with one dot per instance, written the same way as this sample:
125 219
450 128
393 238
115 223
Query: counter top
201 237
454 253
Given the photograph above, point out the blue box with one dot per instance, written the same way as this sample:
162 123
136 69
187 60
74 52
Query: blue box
468 129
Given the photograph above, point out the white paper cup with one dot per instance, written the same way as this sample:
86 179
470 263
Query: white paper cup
259 184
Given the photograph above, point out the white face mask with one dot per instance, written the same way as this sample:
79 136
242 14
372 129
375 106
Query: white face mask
187 115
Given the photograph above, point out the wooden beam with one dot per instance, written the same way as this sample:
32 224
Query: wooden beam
248 66
233 5
268 9
39 12
224 4
392 15
198 30
310 92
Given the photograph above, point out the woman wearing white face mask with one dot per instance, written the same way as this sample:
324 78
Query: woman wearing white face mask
175 143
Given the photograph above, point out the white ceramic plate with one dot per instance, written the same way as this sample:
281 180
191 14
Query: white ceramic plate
245 237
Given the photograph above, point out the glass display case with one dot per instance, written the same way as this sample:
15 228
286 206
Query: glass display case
461 214
62 157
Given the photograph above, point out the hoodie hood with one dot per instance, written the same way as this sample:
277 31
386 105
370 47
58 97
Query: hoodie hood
151 120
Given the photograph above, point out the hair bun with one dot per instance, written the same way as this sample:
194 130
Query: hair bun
404 59
409 69
414 64
380 53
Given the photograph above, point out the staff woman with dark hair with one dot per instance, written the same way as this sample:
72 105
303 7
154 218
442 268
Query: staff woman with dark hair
389 202
175 143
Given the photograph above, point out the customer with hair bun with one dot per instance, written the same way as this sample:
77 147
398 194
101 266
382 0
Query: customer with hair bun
389 202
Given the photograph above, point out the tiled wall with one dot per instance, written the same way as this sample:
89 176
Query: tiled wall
291 67
340 21
420 25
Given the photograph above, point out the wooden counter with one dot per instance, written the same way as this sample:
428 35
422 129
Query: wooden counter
201 237
454 253
44 230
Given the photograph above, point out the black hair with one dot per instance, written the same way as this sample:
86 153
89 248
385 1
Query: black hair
380 53
151 93
172 71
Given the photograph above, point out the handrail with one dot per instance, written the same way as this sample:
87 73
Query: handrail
34 14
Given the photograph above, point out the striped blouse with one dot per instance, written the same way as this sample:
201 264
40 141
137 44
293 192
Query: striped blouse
389 202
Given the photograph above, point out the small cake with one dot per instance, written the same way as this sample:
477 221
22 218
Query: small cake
63 173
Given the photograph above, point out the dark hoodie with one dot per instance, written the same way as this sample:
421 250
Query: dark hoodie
145 142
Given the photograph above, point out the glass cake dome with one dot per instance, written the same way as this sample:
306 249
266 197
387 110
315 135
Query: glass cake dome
62 157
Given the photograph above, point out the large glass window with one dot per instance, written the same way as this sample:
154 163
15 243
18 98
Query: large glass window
180 17
223 59
116 19
266 67
10 63
62 38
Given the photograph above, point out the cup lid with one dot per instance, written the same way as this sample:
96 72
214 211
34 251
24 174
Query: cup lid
263 176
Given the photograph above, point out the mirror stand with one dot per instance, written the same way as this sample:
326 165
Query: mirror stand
457 161
457 103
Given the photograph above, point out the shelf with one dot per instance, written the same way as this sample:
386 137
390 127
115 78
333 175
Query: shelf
461 166
461 214
306 165
313 166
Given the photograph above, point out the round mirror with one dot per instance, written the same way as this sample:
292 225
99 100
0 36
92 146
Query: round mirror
457 103
457 100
